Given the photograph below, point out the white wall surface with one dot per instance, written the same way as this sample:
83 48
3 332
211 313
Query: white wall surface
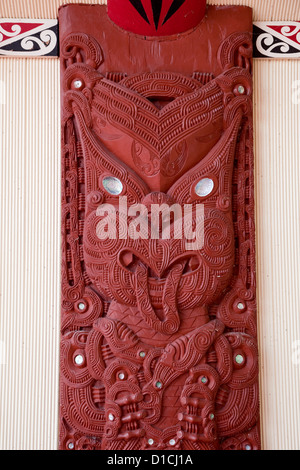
30 244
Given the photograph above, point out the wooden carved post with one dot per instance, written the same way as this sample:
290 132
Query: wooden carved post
158 326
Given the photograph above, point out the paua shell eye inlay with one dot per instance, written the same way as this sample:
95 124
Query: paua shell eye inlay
204 187
112 185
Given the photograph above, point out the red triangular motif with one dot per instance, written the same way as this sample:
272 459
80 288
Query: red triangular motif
25 27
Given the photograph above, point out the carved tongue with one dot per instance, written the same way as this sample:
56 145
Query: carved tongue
171 322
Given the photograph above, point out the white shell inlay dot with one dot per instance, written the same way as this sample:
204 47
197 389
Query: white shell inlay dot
77 83
112 185
79 359
204 187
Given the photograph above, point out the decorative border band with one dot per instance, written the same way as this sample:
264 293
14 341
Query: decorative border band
277 39
36 38
28 38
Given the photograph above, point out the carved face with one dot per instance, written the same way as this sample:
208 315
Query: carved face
154 143
145 363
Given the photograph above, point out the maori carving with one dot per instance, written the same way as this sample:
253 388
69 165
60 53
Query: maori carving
158 334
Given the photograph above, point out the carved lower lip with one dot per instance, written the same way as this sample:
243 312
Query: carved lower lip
161 281
156 286
160 277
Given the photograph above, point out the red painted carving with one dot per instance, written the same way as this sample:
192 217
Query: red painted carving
158 342
156 17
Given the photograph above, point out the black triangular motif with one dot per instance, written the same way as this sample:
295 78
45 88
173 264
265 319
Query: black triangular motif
173 8
156 8
137 4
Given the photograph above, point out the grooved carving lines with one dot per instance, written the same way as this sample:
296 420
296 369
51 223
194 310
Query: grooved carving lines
158 344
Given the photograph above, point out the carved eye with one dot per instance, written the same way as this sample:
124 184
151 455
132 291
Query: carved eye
112 185
204 187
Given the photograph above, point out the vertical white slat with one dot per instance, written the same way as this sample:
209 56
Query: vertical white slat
30 234
277 150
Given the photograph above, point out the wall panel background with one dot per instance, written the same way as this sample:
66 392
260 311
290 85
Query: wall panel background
30 244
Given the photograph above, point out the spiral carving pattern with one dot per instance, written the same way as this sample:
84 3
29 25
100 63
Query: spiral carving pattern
158 333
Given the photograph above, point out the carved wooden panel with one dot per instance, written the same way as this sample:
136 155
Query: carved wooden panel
158 339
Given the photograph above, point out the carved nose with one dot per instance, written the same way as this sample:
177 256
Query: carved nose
157 198
158 206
